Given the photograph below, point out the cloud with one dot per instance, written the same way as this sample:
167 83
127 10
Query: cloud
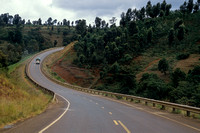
74 10
90 9
100 7
90 4
105 8
35 9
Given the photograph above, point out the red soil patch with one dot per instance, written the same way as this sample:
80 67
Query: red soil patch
147 70
72 74
151 63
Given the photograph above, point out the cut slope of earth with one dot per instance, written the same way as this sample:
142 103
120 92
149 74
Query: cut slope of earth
65 69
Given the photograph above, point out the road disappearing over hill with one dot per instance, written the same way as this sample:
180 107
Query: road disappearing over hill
88 113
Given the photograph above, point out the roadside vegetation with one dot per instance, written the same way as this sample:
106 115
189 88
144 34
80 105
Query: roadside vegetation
19 98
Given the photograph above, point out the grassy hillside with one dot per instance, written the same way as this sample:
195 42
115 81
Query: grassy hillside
19 99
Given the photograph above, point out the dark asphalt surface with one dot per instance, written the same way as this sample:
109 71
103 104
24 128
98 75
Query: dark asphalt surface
93 114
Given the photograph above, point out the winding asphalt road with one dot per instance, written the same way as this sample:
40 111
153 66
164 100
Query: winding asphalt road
88 113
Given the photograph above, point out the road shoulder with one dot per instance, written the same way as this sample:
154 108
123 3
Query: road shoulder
37 123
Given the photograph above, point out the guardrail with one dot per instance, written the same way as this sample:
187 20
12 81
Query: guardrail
174 106
162 104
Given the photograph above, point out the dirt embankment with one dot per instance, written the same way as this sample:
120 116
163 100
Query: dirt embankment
64 67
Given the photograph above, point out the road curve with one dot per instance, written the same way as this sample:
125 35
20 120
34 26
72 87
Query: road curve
93 114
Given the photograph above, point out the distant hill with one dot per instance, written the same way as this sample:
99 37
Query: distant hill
20 40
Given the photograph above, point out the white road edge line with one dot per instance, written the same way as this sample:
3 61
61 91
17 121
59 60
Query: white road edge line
58 117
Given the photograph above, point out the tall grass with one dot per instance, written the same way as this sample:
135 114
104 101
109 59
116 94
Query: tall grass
19 99
12 110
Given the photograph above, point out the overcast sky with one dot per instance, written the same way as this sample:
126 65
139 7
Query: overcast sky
74 9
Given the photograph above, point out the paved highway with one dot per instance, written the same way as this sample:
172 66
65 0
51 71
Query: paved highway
86 113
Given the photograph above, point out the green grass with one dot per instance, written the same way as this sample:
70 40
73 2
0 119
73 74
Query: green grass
69 57
56 76
13 67
12 110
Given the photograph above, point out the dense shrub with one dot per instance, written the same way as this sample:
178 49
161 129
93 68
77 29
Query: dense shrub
163 66
177 76
152 87
182 56
194 75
